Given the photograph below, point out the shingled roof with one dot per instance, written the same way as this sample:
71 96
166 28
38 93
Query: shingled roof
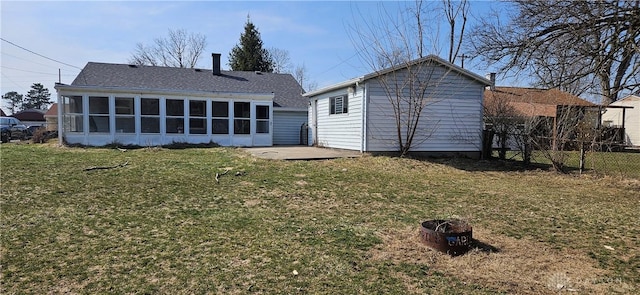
287 92
533 101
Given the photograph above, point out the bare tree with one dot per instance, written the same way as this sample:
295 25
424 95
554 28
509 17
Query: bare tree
455 10
280 60
393 49
603 34
302 76
501 117
179 49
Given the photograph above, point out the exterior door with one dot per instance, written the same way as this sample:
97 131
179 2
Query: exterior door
263 124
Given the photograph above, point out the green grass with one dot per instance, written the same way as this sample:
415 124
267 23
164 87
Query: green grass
162 224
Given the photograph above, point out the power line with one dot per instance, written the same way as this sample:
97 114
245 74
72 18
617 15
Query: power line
27 71
38 54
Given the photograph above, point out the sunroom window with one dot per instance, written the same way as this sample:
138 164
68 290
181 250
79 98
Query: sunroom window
72 121
99 114
197 117
241 118
125 115
150 115
220 120
175 116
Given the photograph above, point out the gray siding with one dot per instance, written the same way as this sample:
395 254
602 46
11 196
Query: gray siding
451 121
342 131
286 126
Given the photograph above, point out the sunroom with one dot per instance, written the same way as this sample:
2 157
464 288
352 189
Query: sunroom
98 117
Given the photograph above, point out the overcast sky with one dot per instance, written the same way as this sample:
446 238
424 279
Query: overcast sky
316 33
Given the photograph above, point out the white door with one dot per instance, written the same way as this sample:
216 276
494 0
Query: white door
262 124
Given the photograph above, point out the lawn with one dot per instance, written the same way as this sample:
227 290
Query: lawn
159 222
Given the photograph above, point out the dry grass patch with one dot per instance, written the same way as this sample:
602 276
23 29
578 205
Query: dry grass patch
519 266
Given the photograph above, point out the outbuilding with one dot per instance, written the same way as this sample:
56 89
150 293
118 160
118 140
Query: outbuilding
373 113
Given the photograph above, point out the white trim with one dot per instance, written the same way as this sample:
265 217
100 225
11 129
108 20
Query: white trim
163 92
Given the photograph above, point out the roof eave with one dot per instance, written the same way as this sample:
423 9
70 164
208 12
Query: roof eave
171 92
334 87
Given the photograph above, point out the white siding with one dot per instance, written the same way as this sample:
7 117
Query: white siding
343 131
286 126
451 121
631 121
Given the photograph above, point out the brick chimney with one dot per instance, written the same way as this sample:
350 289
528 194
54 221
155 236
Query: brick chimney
216 63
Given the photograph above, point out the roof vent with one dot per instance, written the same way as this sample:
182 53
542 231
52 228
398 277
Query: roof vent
133 66
198 70
258 73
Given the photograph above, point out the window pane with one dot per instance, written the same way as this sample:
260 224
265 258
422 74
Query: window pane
262 126
175 125
241 110
220 109
98 105
262 112
73 104
72 123
197 126
124 106
99 124
345 109
125 125
150 106
220 126
175 107
197 108
241 126
332 105
150 125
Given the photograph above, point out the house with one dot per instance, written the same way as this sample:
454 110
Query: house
2 114
507 108
51 118
150 105
358 114
625 113
31 117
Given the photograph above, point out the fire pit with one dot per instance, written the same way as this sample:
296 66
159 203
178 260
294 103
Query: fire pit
451 236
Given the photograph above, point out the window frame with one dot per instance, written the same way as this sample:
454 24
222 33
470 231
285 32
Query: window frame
242 124
215 117
130 115
72 117
339 104
147 116
200 118
99 114
177 117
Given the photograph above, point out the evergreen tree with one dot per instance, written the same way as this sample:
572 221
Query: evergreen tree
249 54
37 98
14 101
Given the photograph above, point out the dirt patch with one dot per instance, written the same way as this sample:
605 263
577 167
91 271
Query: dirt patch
517 266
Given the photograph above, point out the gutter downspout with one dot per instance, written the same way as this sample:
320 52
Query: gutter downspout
365 107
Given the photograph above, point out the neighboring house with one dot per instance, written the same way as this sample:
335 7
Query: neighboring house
625 113
358 115
521 105
51 118
31 117
149 105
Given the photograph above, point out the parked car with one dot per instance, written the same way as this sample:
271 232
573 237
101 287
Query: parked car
12 128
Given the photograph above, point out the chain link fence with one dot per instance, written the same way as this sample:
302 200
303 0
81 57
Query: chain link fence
603 157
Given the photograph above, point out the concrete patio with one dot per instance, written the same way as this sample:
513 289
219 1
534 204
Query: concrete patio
300 153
